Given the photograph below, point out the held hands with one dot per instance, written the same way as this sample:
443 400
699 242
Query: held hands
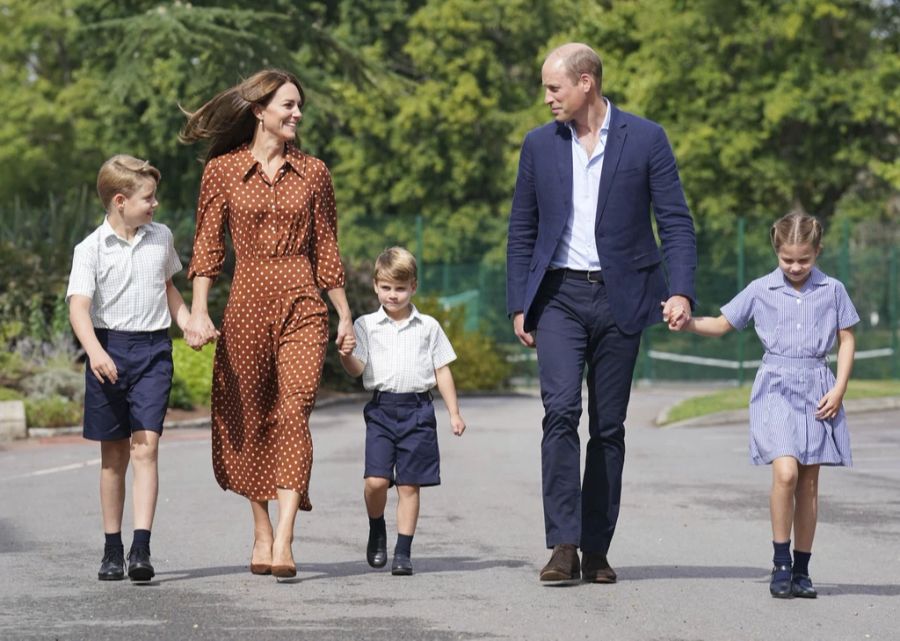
676 312
830 404
199 330
346 339
103 367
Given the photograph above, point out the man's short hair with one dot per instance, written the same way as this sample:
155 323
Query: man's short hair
396 264
123 174
584 60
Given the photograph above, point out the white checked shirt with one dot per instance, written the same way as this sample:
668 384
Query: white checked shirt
126 282
401 357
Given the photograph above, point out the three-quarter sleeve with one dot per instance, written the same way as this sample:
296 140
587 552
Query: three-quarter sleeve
324 253
212 215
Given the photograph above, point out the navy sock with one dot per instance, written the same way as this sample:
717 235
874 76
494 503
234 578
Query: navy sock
782 553
377 527
404 544
141 540
801 562
113 540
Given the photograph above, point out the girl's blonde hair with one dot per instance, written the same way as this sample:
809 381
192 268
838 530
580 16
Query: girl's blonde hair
227 121
796 228
123 174
397 265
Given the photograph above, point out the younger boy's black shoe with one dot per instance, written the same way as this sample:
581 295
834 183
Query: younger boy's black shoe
802 587
112 567
402 565
780 585
139 567
376 550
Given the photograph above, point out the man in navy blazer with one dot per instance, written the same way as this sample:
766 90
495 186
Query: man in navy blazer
584 278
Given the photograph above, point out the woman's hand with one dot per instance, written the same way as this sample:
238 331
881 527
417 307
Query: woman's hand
199 330
346 340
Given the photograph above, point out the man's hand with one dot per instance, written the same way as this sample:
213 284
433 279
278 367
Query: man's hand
677 312
519 328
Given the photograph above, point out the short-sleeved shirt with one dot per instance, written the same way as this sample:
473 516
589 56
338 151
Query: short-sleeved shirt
401 357
796 324
126 281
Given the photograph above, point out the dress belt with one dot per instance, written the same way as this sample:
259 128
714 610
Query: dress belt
795 362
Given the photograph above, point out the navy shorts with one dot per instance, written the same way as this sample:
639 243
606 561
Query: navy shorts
401 439
138 399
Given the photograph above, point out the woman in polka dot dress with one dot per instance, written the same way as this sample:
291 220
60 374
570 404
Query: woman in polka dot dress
277 203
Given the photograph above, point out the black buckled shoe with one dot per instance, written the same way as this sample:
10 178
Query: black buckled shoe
802 587
139 567
112 567
402 565
376 550
780 585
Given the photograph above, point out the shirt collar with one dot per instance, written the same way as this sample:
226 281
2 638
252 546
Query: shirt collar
381 315
107 232
293 159
776 279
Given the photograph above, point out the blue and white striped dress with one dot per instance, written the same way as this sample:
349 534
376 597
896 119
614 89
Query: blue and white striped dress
797 330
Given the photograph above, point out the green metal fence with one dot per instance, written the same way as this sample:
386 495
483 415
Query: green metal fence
864 258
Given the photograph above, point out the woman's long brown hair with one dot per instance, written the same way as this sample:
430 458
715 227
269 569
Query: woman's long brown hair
227 120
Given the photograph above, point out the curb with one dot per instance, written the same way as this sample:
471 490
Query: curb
852 406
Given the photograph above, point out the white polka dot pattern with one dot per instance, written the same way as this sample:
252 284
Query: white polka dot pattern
275 330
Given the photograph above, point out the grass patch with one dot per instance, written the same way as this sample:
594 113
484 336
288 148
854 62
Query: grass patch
736 398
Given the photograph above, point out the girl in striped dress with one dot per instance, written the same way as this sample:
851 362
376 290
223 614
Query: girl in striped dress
797 422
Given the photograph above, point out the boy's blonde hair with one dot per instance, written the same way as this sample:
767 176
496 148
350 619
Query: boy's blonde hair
796 228
123 174
396 264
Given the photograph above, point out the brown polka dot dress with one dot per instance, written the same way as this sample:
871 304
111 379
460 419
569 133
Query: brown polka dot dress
274 333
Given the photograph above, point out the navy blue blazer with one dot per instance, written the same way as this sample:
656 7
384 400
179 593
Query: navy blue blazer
638 170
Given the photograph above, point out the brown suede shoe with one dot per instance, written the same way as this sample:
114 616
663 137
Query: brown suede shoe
563 564
595 568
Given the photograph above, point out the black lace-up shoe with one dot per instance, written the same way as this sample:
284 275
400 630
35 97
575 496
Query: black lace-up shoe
112 567
376 550
139 567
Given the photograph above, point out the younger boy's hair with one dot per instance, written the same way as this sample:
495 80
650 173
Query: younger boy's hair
796 228
396 264
123 174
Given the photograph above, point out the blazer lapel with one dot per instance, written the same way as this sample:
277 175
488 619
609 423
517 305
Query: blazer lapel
614 143
562 149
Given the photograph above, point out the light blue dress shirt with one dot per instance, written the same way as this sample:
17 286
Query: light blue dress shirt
577 247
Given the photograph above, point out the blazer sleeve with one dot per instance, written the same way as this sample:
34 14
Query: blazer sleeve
523 231
673 218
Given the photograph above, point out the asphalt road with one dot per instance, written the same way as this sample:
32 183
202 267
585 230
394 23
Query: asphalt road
692 549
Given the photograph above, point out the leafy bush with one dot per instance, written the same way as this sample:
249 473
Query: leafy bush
192 381
55 382
54 411
9 394
479 365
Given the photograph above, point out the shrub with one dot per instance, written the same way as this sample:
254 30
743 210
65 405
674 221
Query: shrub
9 394
55 382
192 381
54 411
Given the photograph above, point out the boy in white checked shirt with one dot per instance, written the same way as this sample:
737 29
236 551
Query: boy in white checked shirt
121 303
401 355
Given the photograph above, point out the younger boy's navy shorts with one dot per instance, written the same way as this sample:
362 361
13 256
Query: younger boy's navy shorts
401 439
138 399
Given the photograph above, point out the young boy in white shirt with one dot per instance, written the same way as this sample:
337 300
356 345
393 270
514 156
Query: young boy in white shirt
121 303
401 355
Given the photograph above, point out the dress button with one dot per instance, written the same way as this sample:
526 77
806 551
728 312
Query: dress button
799 326
799 301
